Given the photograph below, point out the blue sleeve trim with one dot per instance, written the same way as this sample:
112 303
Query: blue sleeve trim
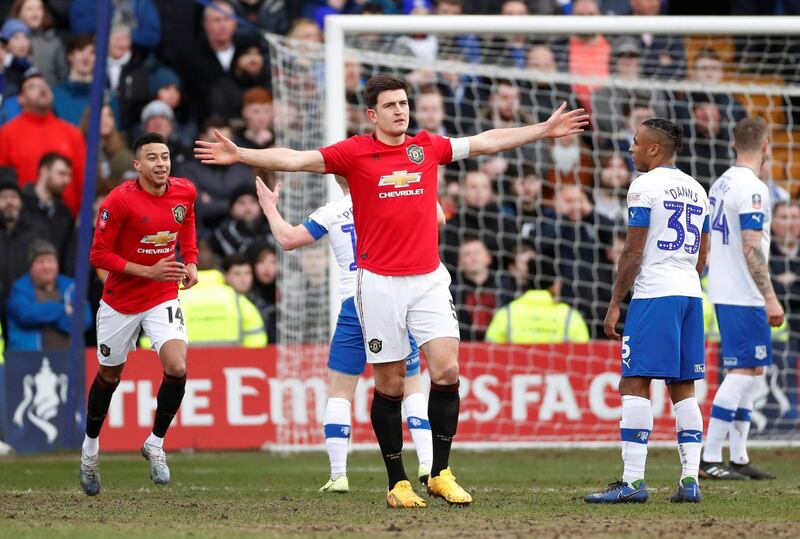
751 221
706 227
638 216
316 229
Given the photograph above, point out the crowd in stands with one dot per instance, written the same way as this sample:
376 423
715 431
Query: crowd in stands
535 230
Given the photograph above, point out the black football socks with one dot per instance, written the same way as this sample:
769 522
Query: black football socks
443 404
387 422
169 398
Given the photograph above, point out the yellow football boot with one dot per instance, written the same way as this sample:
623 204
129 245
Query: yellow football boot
402 496
444 486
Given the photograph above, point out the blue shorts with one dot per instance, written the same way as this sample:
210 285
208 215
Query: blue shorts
664 339
348 355
746 336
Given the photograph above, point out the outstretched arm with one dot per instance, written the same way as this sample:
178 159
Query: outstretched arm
289 237
560 124
759 271
225 152
629 263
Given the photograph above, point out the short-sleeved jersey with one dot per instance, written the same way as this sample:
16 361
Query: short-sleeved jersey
394 198
135 226
675 208
739 201
336 220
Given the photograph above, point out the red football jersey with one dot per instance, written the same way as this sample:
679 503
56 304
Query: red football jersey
135 226
394 199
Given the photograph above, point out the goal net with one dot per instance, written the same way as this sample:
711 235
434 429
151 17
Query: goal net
560 201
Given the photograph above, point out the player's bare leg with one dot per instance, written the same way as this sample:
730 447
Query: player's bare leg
689 428
170 395
387 422
105 382
337 428
443 407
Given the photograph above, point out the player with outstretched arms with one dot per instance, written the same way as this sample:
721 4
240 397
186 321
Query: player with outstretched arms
139 226
347 357
664 255
401 285
742 294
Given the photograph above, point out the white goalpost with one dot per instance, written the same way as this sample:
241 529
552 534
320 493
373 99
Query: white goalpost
548 394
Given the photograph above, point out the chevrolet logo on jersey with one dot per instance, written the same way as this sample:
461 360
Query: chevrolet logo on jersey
160 239
401 178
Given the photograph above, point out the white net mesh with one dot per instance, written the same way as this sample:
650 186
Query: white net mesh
564 200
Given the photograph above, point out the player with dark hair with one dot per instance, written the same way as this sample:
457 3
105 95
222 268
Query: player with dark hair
401 285
139 227
665 253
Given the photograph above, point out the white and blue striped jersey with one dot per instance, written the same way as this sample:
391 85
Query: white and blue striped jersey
336 220
674 207
739 201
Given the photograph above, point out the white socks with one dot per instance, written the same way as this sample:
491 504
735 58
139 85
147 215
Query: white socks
723 412
154 441
415 412
635 428
689 426
337 429
91 446
740 427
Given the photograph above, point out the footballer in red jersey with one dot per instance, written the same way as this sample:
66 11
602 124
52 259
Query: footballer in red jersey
402 287
140 227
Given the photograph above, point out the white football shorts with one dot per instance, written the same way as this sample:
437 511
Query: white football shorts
117 332
391 307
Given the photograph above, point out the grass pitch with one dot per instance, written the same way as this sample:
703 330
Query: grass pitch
532 493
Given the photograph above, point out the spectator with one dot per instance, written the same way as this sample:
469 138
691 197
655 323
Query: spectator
588 55
16 39
265 272
40 303
512 48
708 152
663 56
218 315
460 48
270 15
48 51
158 117
164 85
609 195
544 96
577 239
128 75
43 199
519 267
784 263
115 160
633 116
250 70
215 183
212 58
538 317
26 139
71 97
571 162
17 232
141 15
477 289
529 209
480 216
245 225
608 103
429 111
258 115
